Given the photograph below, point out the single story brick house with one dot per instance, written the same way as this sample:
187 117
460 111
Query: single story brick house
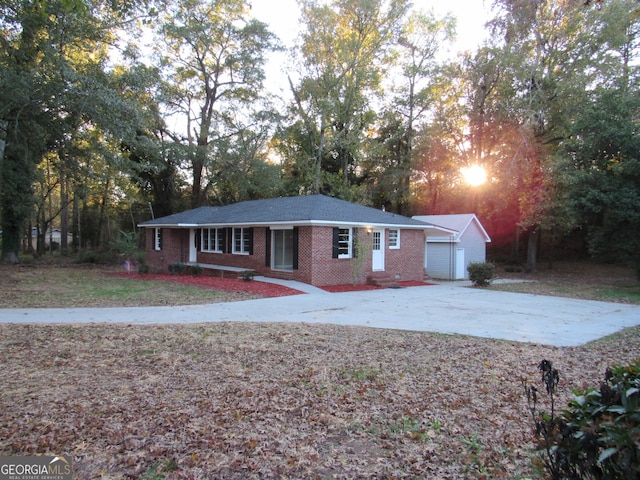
447 257
314 239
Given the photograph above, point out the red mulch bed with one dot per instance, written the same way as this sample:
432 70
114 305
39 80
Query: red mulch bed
264 289
228 284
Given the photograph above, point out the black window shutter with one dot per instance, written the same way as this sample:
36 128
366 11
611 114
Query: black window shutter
267 248
295 248
354 243
250 238
336 239
229 240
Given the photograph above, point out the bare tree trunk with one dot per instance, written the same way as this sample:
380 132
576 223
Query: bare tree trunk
532 249
64 215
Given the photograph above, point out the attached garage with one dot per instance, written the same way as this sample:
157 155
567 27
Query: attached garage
447 257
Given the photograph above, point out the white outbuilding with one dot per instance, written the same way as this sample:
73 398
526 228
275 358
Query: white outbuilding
447 257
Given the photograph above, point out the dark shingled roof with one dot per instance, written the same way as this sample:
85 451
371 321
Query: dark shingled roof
303 210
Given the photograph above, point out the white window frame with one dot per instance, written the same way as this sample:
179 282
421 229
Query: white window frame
213 242
394 239
348 242
157 239
242 240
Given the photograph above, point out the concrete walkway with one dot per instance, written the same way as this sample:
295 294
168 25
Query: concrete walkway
444 308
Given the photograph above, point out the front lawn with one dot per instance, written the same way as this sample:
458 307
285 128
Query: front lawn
279 400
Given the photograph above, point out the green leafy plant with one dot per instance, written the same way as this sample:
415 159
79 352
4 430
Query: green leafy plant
481 273
247 275
597 435
361 250
473 444
196 270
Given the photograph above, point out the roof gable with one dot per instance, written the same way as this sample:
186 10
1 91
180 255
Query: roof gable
459 222
311 209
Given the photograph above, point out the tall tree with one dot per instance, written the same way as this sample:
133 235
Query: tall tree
344 52
53 82
212 57
546 59
600 167
421 39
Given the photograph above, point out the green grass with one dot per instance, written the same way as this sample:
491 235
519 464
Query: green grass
41 287
620 293
629 294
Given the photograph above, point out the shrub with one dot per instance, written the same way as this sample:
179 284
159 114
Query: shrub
143 269
178 268
481 273
196 270
247 275
595 436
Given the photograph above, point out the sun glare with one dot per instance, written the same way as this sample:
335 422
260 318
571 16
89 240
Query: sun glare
474 175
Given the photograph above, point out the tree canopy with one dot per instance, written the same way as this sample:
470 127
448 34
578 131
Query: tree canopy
115 111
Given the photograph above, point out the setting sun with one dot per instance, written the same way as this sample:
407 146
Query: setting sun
474 175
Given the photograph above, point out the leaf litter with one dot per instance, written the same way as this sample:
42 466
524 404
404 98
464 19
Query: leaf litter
238 400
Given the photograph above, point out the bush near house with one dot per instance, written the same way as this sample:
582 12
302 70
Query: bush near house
178 268
481 273
196 270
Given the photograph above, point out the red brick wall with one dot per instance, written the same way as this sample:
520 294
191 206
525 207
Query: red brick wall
315 263
174 248
255 261
325 269
408 260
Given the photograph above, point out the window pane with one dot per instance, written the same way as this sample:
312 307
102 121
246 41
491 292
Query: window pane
376 240
205 239
217 241
393 238
283 250
237 240
344 242
245 240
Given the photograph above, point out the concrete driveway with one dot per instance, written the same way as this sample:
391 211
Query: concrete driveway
444 308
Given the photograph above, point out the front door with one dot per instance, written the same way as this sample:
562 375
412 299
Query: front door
460 270
377 250
193 246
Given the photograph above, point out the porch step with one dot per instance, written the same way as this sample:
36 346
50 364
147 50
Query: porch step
382 280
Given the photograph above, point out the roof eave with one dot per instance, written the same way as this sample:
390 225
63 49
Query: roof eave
301 223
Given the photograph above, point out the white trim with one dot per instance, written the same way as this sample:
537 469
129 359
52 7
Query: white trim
451 239
303 223
281 227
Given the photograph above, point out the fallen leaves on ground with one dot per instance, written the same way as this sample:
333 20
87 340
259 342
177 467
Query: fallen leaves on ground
238 401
